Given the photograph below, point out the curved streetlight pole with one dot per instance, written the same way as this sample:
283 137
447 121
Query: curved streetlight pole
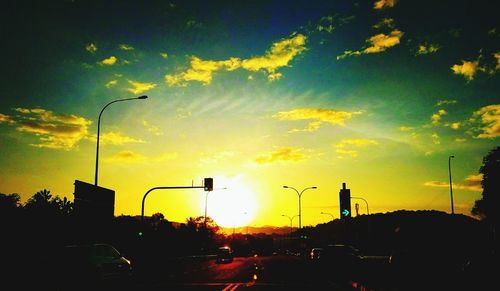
328 213
300 195
99 130
451 188
366 202
291 221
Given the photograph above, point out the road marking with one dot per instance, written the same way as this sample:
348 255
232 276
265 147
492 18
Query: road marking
232 287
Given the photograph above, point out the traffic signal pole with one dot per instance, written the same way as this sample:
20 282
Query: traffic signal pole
208 186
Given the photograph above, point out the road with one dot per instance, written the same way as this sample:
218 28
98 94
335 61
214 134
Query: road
255 273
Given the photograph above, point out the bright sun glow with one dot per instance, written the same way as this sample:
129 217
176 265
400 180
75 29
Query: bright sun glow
231 204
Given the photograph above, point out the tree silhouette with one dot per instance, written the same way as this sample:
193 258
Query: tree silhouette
9 201
42 202
488 207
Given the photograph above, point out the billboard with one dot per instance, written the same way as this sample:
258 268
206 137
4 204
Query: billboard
93 202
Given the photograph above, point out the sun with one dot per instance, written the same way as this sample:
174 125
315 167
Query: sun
231 204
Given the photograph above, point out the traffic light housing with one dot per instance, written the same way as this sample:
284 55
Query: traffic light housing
345 202
208 184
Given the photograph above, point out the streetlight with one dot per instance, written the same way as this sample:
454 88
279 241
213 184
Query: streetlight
99 129
300 195
328 213
366 202
451 189
291 221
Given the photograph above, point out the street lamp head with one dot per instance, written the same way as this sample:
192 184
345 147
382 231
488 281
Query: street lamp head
142 97
452 157
285 186
282 215
314 187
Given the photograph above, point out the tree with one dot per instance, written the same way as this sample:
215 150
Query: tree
9 201
40 201
488 207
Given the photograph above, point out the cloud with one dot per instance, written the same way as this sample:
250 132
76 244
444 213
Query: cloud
436 139
109 61
183 113
6 119
132 157
140 87
114 138
385 23
406 128
153 129
381 42
446 102
425 49
348 147
317 115
471 183
111 83
91 48
455 125
280 55
282 154
436 117
488 120
202 71
381 4
217 157
126 47
378 43
468 69
55 131
497 56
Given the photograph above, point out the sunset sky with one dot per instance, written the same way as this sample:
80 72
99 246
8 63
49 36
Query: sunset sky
257 95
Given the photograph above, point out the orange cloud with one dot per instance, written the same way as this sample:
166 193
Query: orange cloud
317 115
282 154
488 118
381 4
55 131
280 55
471 183
378 43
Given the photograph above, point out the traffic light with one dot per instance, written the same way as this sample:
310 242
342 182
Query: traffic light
209 184
345 202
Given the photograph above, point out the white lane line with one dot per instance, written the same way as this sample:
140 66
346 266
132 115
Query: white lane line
235 287
228 287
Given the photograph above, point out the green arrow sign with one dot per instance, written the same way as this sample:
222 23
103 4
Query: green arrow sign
345 212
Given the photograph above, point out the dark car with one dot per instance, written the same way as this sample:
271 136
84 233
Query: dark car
224 255
94 262
340 261
315 254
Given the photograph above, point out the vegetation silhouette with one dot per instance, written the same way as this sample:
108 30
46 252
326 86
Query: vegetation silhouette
455 250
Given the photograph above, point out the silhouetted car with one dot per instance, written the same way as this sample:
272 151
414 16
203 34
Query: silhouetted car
340 261
315 253
94 262
224 255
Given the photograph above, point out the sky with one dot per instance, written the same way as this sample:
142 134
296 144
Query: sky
256 94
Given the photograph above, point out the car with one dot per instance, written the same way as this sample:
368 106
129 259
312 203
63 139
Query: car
224 255
94 262
315 254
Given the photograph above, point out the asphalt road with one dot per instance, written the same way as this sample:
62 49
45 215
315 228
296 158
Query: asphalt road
258 273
